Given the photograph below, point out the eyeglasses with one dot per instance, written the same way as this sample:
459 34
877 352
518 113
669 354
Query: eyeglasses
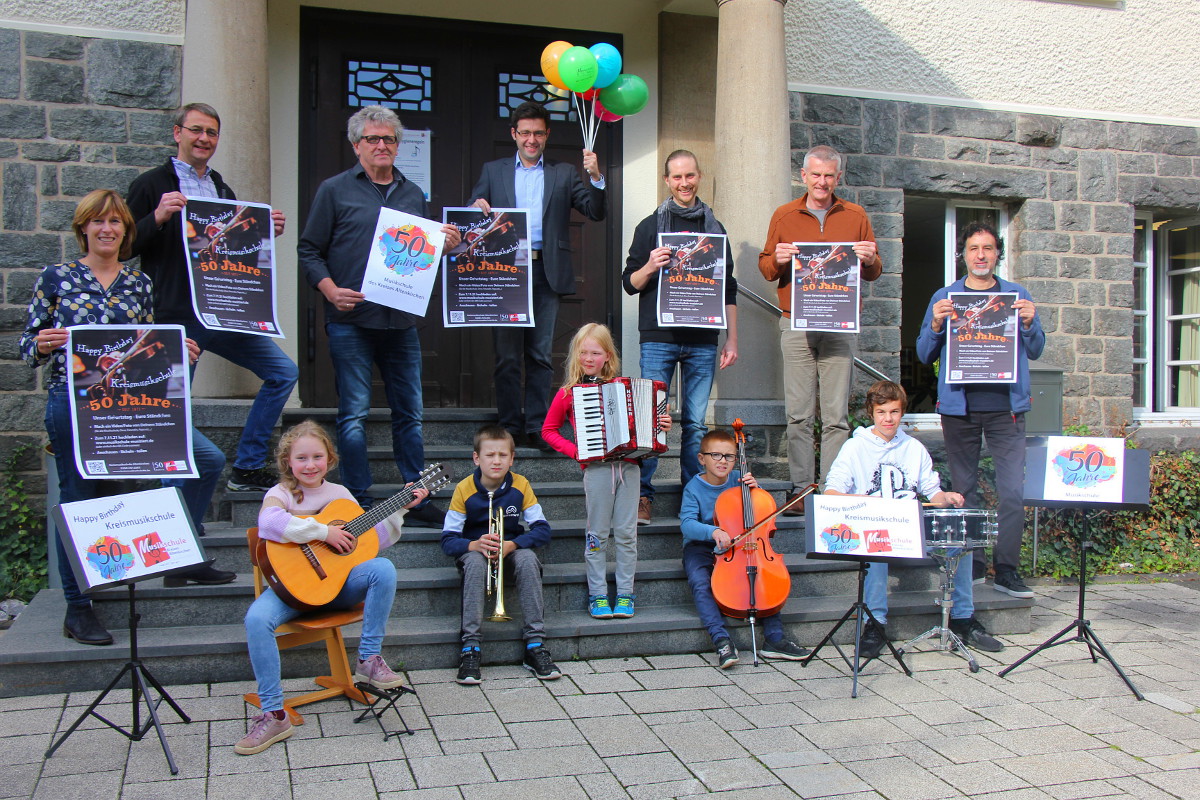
721 456
373 140
532 134
196 130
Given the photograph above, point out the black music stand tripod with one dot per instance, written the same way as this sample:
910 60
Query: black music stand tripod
1136 497
140 682
861 612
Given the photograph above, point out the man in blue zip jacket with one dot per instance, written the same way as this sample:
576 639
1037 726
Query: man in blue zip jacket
972 412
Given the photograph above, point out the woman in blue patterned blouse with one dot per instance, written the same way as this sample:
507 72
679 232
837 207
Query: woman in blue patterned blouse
95 289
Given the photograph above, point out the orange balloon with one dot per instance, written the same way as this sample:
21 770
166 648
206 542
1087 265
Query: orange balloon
550 56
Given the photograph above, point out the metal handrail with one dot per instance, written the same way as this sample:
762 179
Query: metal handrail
767 305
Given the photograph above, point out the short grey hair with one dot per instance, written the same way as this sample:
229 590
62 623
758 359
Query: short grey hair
377 114
200 108
823 152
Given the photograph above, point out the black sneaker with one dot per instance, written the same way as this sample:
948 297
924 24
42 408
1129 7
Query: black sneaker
727 654
783 649
872 641
259 479
1009 582
978 572
205 575
796 510
428 516
468 668
539 662
973 634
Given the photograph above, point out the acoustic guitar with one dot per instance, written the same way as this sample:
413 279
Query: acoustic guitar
308 576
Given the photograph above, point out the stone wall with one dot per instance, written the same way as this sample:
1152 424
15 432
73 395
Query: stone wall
1071 185
76 114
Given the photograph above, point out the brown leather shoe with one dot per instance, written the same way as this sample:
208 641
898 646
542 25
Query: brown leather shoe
643 511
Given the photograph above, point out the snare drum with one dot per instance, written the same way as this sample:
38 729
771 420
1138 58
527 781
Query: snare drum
959 527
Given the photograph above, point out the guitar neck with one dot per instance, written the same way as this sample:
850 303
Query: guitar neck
380 511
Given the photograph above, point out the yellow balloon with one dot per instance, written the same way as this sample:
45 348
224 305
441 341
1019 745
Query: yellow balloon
550 56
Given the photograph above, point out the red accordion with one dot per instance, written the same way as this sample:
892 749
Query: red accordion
619 419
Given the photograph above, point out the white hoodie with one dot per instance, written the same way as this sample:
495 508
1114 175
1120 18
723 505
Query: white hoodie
899 469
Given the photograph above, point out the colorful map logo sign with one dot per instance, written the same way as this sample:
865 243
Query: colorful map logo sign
840 538
110 558
1084 466
406 249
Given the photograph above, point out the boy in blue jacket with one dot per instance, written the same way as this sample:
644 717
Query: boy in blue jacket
466 538
702 540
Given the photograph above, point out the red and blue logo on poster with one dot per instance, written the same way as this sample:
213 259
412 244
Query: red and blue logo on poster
406 250
110 558
840 538
1084 466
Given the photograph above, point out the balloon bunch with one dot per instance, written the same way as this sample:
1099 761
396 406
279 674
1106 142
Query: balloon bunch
594 73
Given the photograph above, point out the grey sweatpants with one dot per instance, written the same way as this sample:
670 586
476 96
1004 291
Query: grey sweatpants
523 564
611 489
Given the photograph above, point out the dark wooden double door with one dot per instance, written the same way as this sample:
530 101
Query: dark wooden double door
456 80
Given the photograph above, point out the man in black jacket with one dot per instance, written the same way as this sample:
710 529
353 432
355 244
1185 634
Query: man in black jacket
549 189
156 199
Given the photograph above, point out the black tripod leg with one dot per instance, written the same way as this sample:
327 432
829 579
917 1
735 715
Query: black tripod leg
829 636
129 666
163 693
140 681
1053 641
1092 638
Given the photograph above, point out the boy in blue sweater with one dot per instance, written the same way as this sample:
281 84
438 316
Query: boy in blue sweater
466 538
702 540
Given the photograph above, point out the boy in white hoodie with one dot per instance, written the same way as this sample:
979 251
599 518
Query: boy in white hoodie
884 461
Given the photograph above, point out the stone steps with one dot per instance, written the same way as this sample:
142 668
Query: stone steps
46 662
194 634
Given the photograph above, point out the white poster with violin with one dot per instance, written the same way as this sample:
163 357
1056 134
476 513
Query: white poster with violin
825 287
691 288
230 250
981 338
130 401
486 280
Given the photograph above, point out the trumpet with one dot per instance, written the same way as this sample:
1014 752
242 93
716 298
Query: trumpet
495 576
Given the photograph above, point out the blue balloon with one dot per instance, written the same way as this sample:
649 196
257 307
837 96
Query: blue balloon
608 58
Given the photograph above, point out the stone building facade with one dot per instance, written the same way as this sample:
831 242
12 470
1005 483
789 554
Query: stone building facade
76 114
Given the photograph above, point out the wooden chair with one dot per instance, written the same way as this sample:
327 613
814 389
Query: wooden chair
318 626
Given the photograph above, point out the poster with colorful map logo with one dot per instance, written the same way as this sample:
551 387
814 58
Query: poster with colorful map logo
854 527
402 267
127 538
1085 469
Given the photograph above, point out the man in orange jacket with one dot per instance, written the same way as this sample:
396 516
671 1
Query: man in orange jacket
816 361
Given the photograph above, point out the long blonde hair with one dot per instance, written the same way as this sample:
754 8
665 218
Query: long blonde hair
603 337
283 453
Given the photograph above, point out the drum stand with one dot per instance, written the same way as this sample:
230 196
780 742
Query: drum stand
949 640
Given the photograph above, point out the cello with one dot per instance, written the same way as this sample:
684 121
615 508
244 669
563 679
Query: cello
749 579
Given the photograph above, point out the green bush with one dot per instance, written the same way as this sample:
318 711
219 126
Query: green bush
1164 539
22 534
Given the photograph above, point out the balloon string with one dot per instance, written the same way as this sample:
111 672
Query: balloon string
595 121
579 116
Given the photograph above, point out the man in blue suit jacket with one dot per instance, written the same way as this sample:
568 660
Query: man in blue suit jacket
549 189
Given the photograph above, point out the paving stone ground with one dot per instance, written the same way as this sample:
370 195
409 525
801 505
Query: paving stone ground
1060 727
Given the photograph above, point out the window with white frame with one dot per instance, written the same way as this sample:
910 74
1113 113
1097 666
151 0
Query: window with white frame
1166 314
931 227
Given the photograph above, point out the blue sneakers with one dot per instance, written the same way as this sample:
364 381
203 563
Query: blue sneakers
599 608
624 606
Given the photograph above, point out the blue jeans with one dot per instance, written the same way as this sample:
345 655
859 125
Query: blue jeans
875 589
372 583
197 492
524 410
698 561
397 353
697 365
278 373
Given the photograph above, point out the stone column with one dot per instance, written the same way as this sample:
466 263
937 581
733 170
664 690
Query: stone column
225 65
753 178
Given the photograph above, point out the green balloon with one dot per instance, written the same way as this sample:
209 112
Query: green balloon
578 68
626 95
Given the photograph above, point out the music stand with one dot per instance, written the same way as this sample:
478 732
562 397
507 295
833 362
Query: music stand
1135 496
159 530
858 609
